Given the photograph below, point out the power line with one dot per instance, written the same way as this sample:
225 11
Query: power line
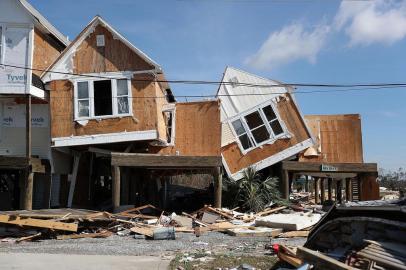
204 82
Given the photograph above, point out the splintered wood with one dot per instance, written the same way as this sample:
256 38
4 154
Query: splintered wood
38 223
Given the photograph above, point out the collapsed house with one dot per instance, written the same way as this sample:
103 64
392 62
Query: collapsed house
262 127
28 44
113 112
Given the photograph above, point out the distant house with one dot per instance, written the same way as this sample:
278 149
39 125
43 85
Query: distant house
261 122
113 113
28 45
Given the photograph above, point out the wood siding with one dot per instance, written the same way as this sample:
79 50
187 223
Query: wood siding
289 114
114 56
340 138
198 130
46 51
144 111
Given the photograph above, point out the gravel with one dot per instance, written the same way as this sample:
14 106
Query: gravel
128 245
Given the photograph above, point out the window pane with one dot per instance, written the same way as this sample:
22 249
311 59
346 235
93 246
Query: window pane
83 90
122 87
122 103
269 113
254 120
102 98
238 127
83 108
245 142
260 134
276 127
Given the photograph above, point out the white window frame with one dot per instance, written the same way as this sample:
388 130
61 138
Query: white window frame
272 136
113 80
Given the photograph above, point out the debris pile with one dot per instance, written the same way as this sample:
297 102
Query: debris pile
151 222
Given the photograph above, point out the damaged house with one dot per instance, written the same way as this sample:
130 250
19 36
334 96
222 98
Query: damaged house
114 116
262 127
28 44
261 123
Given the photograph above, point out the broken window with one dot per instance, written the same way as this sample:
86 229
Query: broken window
257 127
102 98
168 115
242 134
122 96
83 99
273 120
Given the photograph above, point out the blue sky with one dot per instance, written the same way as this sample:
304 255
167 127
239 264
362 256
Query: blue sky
309 41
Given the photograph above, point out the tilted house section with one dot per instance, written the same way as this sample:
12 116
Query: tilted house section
261 122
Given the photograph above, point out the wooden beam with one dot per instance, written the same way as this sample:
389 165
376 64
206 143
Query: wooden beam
341 167
322 190
39 223
319 260
348 189
73 176
285 184
218 187
330 189
116 177
339 192
316 190
164 161
29 181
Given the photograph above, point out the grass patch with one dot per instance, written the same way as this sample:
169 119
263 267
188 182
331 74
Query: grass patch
192 261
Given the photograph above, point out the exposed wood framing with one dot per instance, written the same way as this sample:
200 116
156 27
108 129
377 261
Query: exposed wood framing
162 161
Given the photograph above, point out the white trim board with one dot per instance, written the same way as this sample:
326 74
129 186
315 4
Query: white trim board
293 150
105 138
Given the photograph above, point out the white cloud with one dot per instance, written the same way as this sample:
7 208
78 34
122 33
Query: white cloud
289 44
367 22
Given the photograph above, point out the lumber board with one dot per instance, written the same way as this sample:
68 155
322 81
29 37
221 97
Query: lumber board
104 234
292 234
143 230
270 211
164 161
38 223
321 261
254 231
292 260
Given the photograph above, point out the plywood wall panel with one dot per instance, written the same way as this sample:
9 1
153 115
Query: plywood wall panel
340 138
114 56
144 111
46 51
198 130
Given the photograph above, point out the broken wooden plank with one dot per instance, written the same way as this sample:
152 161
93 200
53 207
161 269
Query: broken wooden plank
289 258
28 238
321 261
143 230
292 234
270 211
103 234
254 231
39 223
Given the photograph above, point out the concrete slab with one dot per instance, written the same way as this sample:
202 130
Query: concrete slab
289 222
17 261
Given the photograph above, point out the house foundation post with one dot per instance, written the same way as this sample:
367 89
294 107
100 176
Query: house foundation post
348 189
218 187
316 190
322 189
29 175
115 170
330 189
